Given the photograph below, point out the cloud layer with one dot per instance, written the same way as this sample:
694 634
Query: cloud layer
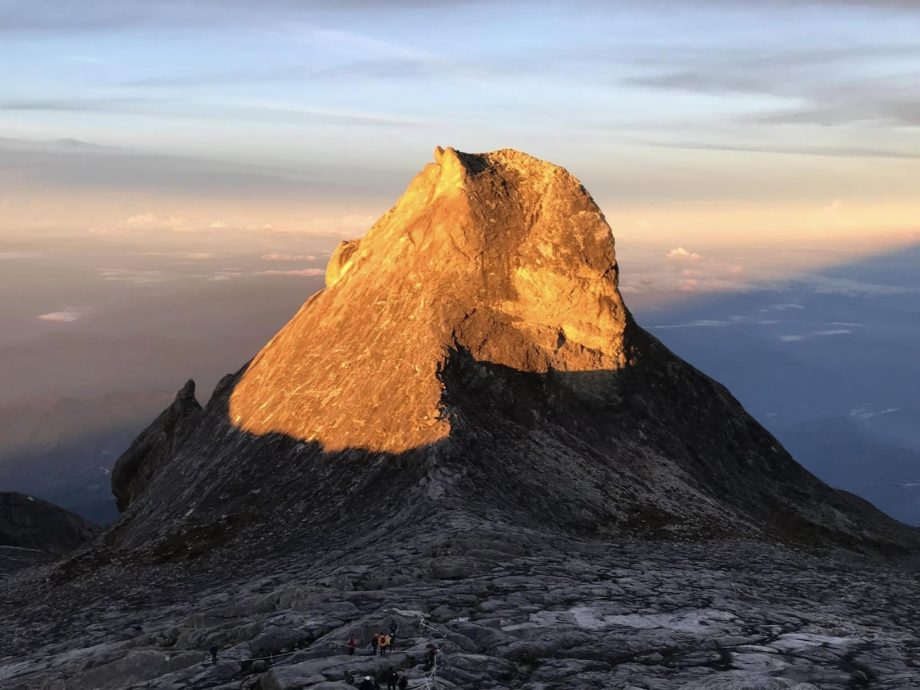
65 316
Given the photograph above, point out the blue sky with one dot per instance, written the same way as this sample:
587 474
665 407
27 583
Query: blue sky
709 121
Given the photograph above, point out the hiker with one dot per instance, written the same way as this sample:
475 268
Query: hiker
213 651
431 655
367 684
375 640
352 643
403 682
384 644
391 678
394 629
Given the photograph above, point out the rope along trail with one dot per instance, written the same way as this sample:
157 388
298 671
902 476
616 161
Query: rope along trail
428 678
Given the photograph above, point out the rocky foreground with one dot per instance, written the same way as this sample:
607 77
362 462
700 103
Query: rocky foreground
517 612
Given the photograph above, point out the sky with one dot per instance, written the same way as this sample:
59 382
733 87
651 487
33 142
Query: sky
695 124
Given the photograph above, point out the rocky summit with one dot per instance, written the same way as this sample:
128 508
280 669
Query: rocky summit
467 435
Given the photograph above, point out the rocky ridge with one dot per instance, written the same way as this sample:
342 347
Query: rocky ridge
153 448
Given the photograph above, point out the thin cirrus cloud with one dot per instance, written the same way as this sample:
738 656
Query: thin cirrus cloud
79 164
299 272
714 279
792 150
288 257
789 306
225 275
321 113
65 105
107 15
252 109
824 85
896 107
398 68
75 164
831 285
14 256
813 334
63 316
134 276
699 323
719 323
95 15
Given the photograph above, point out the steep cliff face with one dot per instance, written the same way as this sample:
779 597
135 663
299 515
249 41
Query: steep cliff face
471 363
137 466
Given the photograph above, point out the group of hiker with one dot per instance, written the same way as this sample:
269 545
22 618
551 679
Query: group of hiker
381 642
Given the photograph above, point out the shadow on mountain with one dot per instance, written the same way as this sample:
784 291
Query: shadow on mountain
828 362
656 450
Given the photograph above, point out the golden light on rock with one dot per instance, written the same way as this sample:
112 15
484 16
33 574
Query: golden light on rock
501 255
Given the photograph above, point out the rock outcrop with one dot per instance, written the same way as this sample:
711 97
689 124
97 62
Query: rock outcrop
501 256
472 359
33 531
137 466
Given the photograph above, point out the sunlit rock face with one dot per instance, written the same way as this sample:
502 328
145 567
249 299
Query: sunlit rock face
500 255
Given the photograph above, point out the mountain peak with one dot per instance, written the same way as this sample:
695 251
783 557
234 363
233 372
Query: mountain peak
500 254
471 362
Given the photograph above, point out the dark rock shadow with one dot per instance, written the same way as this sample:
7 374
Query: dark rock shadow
655 450
828 362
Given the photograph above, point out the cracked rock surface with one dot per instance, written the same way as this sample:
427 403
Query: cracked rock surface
571 614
